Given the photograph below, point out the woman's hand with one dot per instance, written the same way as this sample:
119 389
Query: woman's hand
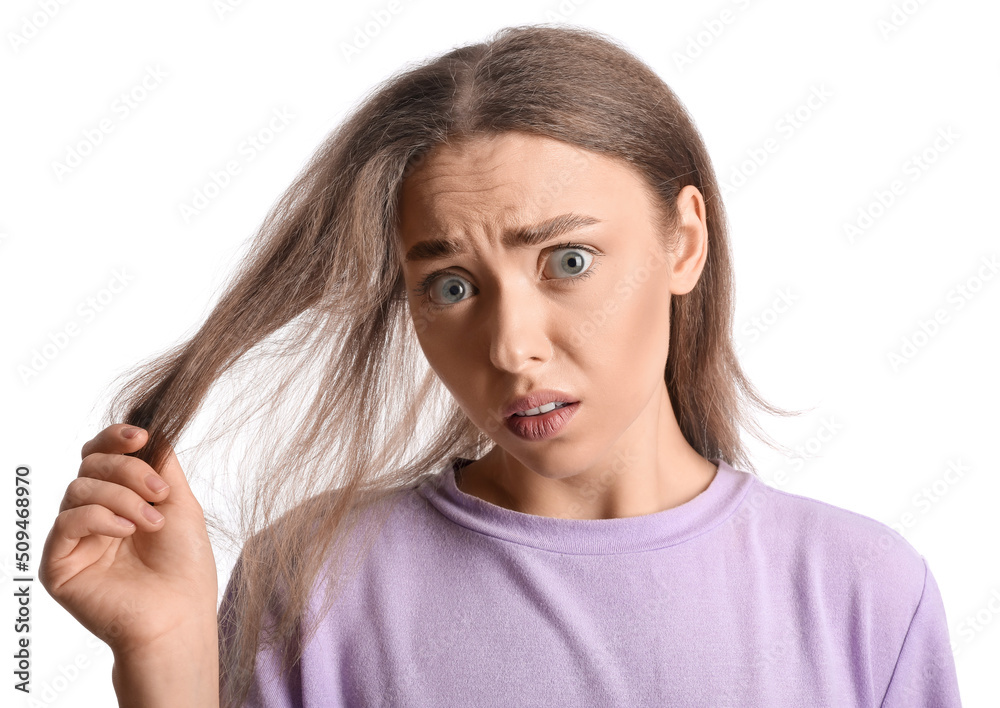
134 586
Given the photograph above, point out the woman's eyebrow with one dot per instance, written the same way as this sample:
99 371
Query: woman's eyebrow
516 237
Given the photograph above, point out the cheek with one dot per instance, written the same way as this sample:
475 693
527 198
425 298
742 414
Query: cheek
441 351
425 322
448 355
635 336
637 291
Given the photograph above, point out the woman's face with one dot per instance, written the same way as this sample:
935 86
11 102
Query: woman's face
499 320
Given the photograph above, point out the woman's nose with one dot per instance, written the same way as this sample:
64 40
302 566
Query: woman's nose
518 330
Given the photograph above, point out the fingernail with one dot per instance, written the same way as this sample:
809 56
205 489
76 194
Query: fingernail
155 483
123 521
130 432
152 514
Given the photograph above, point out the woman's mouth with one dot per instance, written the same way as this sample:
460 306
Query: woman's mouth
543 409
542 422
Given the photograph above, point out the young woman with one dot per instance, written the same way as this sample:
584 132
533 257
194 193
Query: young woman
505 285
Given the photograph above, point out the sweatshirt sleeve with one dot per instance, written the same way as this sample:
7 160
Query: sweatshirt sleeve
925 676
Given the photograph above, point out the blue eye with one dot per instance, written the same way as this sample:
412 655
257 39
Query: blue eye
455 286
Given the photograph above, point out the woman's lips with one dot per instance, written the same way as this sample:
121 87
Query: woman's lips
544 426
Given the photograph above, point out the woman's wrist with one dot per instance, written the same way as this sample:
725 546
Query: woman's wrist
181 669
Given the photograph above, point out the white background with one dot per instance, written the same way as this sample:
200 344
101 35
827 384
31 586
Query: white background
892 76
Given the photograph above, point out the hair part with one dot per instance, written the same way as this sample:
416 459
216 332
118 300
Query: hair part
316 321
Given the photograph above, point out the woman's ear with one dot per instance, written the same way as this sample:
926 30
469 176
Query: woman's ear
691 249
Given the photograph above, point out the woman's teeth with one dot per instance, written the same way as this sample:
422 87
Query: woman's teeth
543 409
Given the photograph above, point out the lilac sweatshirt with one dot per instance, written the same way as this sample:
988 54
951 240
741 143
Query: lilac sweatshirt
743 596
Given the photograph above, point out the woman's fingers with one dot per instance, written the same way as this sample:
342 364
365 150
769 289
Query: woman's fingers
129 472
97 507
119 499
112 439
112 442
74 524
66 533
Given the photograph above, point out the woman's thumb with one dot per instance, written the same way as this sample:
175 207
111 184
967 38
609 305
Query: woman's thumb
171 472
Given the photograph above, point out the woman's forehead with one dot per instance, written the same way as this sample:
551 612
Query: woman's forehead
507 179
490 160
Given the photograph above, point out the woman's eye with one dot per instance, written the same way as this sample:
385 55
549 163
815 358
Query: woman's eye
572 260
569 262
454 287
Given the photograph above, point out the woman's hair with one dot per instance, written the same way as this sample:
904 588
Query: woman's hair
315 319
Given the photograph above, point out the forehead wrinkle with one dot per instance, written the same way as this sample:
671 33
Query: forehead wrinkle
464 190
445 238
445 244
445 218
444 168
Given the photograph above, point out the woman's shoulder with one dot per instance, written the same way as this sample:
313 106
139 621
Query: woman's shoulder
843 547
